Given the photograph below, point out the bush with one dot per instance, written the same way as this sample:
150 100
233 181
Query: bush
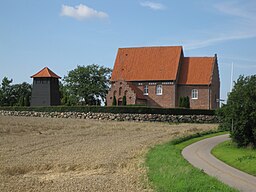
114 109
124 100
181 102
114 101
239 114
184 102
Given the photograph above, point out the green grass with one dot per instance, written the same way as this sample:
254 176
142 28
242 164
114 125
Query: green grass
169 171
185 143
243 159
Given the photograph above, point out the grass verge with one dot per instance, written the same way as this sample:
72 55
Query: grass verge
243 159
169 171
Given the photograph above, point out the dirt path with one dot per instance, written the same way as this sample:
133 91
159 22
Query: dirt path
43 154
199 155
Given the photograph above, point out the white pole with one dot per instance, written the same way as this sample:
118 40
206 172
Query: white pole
231 87
232 74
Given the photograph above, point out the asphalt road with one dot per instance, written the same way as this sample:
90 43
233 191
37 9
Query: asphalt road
199 155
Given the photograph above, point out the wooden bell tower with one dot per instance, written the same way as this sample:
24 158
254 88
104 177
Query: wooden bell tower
45 91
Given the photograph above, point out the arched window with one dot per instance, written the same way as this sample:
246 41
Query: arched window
114 94
194 94
159 90
120 90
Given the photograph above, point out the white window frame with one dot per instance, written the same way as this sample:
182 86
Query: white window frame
194 94
145 89
159 89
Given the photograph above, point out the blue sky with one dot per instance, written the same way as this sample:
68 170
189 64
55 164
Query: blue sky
62 34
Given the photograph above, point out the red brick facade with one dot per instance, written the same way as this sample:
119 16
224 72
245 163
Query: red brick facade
197 75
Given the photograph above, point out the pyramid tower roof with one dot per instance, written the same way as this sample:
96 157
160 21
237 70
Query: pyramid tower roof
45 72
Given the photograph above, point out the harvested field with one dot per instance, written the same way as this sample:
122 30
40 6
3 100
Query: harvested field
44 154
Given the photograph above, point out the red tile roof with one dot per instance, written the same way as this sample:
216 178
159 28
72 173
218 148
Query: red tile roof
45 72
196 70
147 63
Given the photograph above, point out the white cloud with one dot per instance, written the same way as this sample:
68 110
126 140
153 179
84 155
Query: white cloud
242 10
152 5
243 25
196 44
82 12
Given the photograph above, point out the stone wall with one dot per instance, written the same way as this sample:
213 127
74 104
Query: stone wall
118 117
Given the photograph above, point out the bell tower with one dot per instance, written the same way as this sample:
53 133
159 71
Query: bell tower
45 91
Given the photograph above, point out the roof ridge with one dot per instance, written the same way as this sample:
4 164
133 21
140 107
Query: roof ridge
177 46
200 57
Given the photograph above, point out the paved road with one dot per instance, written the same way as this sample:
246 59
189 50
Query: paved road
199 155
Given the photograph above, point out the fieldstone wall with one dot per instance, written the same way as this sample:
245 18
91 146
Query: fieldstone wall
118 117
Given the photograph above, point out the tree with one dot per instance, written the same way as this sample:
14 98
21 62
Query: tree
87 84
22 93
114 101
65 97
18 94
181 102
6 92
239 114
124 100
184 102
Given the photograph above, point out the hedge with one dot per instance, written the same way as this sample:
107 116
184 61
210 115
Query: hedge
114 109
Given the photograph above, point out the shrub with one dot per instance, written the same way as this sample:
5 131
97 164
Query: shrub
124 100
239 114
184 102
181 101
114 109
114 101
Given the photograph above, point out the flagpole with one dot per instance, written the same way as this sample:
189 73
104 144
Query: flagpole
231 87
232 74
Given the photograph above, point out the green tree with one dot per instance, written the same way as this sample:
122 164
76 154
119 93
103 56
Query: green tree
65 96
114 101
124 100
18 94
87 84
6 92
181 102
239 114
186 102
21 94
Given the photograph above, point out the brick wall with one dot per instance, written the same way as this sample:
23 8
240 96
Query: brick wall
203 96
215 88
119 93
166 100
170 94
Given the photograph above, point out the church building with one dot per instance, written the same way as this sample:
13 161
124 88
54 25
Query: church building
159 76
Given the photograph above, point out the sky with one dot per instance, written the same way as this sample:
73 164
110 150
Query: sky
62 34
